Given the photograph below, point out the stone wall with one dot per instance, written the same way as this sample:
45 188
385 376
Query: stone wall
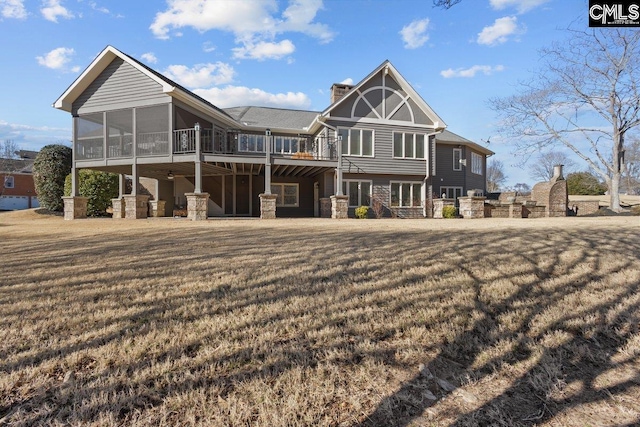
471 207
584 207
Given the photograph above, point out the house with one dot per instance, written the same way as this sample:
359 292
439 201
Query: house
17 190
377 144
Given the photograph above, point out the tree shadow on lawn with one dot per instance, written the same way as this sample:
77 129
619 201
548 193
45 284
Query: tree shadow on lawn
580 348
315 324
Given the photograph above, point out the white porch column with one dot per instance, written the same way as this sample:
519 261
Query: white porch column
135 178
339 170
198 180
267 163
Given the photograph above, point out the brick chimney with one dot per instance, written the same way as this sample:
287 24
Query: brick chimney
338 90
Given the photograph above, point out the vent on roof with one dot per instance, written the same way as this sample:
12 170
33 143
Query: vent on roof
338 90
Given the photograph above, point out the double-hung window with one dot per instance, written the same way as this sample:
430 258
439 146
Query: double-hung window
408 145
288 195
457 159
359 192
8 182
406 194
356 142
476 163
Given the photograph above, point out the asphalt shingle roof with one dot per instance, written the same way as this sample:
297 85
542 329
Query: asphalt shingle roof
277 118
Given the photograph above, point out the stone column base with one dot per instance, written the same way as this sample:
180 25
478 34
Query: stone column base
325 207
515 210
197 208
268 206
339 207
135 207
118 208
471 207
439 204
75 207
156 208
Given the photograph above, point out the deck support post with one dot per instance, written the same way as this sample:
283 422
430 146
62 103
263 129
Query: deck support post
339 207
197 206
268 206
135 206
267 169
75 207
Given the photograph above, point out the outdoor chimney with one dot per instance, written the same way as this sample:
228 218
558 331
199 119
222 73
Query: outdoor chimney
338 90
557 172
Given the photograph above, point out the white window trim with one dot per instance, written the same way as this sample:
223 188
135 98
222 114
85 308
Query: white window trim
373 142
404 155
7 180
359 181
412 183
476 163
457 166
449 187
283 184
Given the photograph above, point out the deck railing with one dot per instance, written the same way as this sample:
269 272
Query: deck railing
216 141
212 141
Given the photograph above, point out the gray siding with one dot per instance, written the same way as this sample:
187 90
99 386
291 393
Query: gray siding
120 85
383 161
446 176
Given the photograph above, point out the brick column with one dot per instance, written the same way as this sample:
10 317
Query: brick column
118 208
135 207
471 206
268 206
197 208
339 207
439 204
75 207
325 207
156 208
515 210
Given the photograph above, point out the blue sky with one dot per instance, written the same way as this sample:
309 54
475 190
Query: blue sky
281 53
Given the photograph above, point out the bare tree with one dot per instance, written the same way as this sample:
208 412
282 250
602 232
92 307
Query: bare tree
542 169
586 97
445 4
495 175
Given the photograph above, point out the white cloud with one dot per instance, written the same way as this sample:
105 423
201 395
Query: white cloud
13 9
415 34
254 23
201 75
233 96
299 17
52 9
97 8
347 81
499 32
264 50
471 72
208 47
521 5
149 57
57 59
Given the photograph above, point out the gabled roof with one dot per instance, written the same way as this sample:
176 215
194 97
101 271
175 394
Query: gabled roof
98 65
450 138
273 118
388 67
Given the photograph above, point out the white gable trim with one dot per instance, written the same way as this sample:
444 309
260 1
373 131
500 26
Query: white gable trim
435 126
387 68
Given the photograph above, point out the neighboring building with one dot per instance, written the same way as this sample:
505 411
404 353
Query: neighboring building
378 143
17 190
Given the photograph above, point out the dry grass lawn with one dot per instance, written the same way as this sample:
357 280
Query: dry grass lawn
319 322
